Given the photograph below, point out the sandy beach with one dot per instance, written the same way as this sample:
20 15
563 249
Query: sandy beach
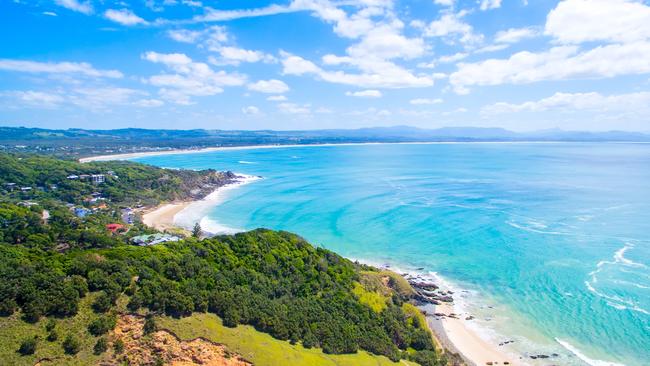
458 337
162 217
127 156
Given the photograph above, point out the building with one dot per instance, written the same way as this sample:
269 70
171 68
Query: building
81 212
98 178
73 176
153 239
115 228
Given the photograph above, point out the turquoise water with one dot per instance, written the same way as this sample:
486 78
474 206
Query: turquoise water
550 242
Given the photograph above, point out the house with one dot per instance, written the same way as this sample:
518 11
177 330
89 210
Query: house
84 176
98 178
115 228
10 186
153 239
25 189
81 212
73 176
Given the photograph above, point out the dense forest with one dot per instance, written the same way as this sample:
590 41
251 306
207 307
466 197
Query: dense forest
274 281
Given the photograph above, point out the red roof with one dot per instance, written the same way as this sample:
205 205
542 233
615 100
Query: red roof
114 227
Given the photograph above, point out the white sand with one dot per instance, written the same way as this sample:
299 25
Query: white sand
456 335
162 217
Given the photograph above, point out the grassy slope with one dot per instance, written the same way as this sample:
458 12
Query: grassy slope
261 348
14 330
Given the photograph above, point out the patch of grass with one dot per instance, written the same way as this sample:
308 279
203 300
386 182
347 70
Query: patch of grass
13 330
386 279
375 300
262 349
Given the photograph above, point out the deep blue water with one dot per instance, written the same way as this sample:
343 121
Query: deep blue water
554 238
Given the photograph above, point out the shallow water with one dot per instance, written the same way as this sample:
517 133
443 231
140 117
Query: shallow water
550 240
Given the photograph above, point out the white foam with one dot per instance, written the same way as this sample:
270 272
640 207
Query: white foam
585 358
246 162
197 211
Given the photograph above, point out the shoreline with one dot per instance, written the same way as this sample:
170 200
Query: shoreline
134 155
164 216
449 331
448 321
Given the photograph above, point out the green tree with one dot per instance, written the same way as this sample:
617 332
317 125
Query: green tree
101 346
196 230
28 346
71 345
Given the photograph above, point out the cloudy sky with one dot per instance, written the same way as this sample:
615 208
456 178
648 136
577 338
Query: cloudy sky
306 64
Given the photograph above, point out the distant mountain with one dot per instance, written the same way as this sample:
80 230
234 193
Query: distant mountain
81 142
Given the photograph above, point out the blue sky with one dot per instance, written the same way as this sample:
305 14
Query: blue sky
309 64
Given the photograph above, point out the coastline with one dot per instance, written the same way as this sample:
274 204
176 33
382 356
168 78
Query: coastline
127 156
451 332
165 216
446 322
449 322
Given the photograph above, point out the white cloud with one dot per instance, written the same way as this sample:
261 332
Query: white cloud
577 21
251 109
148 103
272 86
379 41
49 13
444 2
190 78
91 98
490 4
453 58
124 17
370 93
216 15
277 98
492 48
572 102
35 98
292 108
559 63
451 27
376 73
425 101
514 35
235 55
184 35
74 5
76 68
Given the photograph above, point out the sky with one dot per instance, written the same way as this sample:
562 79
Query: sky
318 64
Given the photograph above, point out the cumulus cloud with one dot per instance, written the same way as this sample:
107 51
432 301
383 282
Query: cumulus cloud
593 101
558 63
148 103
251 109
514 35
35 98
277 98
421 101
292 108
370 93
90 98
189 78
490 4
577 21
75 68
84 7
184 35
378 42
272 86
452 28
124 17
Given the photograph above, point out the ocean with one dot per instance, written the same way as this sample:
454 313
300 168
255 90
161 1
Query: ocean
547 244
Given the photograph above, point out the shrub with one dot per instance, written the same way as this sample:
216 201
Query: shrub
71 345
27 347
101 346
